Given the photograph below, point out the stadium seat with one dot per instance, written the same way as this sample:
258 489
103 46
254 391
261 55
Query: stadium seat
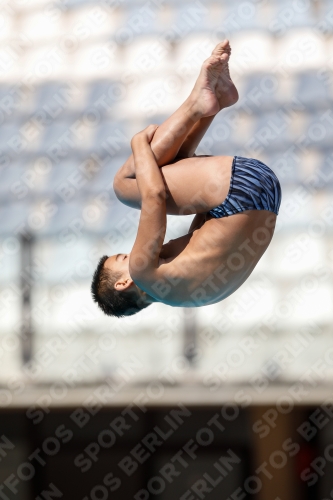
252 51
147 56
300 50
261 92
319 129
42 26
314 90
46 61
154 96
292 15
273 131
15 100
92 21
95 61
191 52
247 16
287 166
13 217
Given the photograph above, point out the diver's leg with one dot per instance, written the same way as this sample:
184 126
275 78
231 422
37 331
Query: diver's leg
195 114
226 94
171 134
213 91
180 134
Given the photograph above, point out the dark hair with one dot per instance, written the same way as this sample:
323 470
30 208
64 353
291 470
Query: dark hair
111 301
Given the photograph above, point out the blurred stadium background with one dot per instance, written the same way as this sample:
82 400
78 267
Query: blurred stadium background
77 80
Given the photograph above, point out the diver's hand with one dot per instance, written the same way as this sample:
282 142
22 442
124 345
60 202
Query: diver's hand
145 135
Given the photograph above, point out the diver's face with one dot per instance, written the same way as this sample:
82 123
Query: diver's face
118 263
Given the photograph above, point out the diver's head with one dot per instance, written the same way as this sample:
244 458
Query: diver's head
114 290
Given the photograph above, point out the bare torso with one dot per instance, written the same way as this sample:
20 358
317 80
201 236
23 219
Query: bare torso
210 263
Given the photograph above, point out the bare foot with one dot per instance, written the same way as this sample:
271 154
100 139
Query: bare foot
226 91
214 88
204 91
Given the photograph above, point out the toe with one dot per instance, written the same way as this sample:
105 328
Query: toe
222 47
224 57
212 61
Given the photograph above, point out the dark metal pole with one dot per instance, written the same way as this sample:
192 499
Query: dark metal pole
26 292
190 334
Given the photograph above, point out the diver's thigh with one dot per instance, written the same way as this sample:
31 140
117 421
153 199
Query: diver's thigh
196 185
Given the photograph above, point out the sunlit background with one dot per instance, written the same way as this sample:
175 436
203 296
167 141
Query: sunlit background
77 80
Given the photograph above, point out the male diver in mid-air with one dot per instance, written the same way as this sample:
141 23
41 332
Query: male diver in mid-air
236 201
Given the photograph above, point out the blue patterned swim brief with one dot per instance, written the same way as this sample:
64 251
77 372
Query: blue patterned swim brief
253 186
